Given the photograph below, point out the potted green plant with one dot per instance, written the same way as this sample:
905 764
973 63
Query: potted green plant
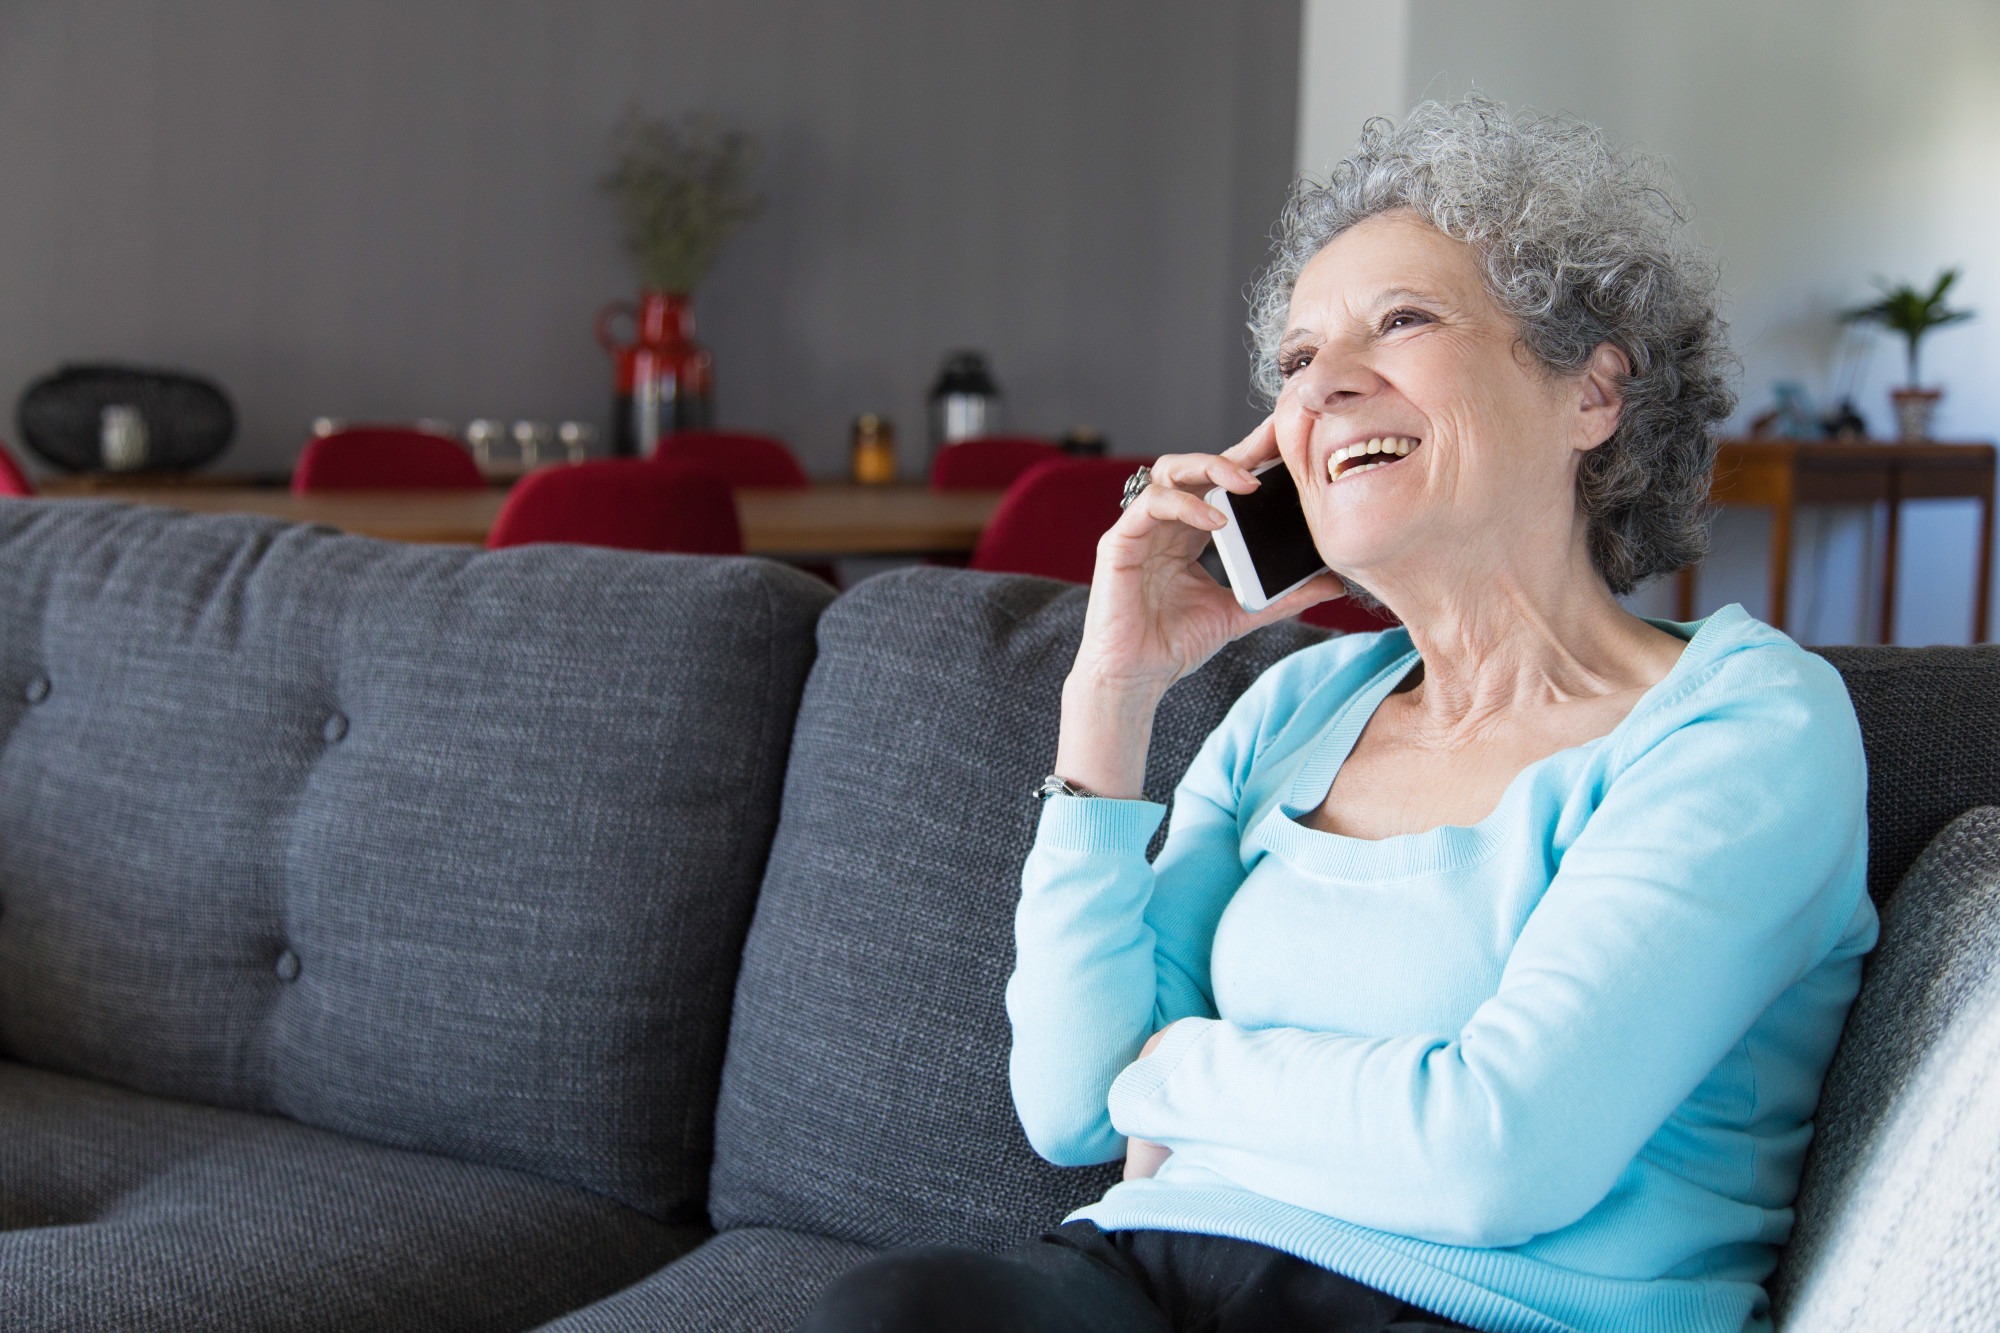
1913 313
682 189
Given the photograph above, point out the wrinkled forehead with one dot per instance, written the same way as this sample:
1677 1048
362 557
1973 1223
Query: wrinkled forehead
1381 261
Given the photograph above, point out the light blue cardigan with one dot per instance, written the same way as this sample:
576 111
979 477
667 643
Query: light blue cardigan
1552 1071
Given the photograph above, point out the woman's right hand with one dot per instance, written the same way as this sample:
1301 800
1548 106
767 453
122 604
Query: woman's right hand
1155 614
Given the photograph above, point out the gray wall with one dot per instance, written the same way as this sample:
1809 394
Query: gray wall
387 210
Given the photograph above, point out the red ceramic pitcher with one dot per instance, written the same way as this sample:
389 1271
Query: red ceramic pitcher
665 379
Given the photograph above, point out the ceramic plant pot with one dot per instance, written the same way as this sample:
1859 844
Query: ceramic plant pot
1914 410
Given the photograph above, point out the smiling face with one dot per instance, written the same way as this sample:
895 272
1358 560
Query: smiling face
1428 443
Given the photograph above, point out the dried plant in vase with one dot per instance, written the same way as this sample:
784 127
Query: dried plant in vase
682 188
1913 313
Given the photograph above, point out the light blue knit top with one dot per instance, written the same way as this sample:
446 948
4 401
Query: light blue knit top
1552 1071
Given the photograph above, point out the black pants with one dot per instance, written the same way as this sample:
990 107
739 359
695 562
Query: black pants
1077 1279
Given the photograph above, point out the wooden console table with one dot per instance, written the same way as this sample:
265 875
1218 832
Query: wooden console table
1783 474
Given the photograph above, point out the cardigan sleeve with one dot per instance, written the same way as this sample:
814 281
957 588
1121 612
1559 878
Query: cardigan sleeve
1722 864
1109 949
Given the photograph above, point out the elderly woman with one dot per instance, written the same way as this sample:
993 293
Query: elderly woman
1491 964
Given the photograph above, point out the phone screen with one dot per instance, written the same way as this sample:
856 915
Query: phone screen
1273 523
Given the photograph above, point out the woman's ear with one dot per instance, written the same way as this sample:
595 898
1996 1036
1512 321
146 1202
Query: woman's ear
1602 401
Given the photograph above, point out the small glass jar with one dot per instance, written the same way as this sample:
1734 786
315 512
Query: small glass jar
874 450
1083 441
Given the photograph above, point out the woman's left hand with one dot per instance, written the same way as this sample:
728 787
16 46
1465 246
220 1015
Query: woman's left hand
1143 1157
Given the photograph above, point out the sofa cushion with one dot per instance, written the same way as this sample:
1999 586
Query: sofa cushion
449 850
1928 725
1915 1245
752 1280
1940 949
122 1210
865 1095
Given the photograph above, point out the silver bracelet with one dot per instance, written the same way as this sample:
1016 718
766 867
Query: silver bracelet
1053 785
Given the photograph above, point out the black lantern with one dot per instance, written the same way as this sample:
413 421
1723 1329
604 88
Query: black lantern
965 402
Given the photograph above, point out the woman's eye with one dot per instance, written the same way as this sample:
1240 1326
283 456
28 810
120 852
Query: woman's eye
1404 319
1293 362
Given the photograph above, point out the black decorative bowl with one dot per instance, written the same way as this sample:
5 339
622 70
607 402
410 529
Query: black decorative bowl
170 421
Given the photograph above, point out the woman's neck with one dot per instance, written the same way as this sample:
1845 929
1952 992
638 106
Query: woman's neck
1514 641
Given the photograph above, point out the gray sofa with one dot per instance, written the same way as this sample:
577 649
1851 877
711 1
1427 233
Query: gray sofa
414 938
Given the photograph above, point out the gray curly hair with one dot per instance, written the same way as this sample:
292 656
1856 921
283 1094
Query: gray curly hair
1582 245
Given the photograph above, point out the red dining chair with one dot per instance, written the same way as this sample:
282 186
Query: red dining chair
385 458
1049 521
752 462
13 481
988 464
1347 616
746 461
623 502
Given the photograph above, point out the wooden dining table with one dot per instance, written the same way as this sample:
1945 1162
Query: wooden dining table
829 519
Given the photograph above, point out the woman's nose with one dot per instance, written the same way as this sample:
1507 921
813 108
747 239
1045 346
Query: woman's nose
1336 377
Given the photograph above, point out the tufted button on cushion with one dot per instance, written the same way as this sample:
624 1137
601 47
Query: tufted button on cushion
288 966
335 729
38 690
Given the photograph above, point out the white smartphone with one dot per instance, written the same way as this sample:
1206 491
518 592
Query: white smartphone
1266 548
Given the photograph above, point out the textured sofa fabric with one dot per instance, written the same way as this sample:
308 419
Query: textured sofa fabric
1939 955
1918 1245
370 918
865 1096
121 1210
1930 722
750 1280
442 850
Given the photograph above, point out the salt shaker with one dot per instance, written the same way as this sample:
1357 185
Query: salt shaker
482 435
576 437
531 437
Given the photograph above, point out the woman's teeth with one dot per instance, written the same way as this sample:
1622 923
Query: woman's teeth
1394 447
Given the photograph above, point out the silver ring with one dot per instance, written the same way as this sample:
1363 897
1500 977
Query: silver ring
1134 484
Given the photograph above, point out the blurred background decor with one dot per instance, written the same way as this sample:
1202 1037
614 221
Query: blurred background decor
1083 441
1845 423
874 450
1911 312
964 401
681 190
112 418
1789 418
392 212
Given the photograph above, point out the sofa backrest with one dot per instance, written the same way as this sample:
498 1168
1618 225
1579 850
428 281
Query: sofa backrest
448 850
1929 718
865 1094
